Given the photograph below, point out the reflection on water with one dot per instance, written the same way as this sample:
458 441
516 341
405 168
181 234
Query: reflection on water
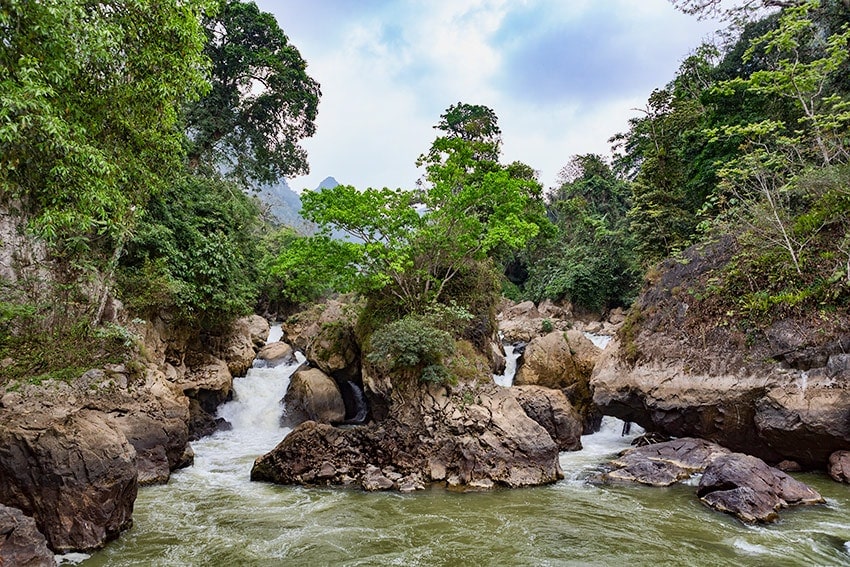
212 515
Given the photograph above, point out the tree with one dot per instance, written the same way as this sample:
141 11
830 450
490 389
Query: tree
262 101
90 94
591 259
472 207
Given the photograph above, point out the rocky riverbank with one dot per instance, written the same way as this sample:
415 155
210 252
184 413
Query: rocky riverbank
72 455
781 393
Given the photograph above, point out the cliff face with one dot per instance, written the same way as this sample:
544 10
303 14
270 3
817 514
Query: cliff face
680 366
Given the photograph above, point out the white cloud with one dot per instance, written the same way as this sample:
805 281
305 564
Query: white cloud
562 76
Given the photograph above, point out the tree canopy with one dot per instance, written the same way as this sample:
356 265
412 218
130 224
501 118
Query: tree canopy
262 101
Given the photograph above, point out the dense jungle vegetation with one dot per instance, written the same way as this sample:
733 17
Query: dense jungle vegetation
132 134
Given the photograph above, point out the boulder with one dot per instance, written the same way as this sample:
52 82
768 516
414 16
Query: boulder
240 345
751 490
548 362
312 396
479 440
523 310
335 352
21 544
839 466
275 354
74 474
551 409
563 360
663 464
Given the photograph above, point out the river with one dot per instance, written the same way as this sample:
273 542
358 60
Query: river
212 515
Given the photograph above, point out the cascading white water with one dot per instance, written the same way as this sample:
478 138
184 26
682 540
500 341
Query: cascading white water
506 379
601 341
211 514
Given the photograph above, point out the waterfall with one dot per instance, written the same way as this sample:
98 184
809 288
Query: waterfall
512 354
355 403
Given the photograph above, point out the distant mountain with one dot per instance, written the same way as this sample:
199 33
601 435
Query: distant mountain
284 205
327 183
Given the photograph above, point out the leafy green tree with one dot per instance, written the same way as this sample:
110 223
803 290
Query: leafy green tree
195 253
90 95
262 101
471 207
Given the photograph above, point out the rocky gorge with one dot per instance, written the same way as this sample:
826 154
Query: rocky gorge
73 460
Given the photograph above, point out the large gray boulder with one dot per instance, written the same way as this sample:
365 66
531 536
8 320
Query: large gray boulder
663 464
552 410
21 544
312 396
73 473
751 490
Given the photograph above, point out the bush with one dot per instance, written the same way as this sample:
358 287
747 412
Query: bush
195 253
412 345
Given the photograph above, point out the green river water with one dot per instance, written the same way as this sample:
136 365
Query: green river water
212 515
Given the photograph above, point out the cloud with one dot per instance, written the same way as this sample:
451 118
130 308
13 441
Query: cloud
600 51
561 76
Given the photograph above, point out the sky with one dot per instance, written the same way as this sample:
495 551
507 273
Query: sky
563 76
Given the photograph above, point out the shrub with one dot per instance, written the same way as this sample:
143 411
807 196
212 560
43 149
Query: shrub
412 345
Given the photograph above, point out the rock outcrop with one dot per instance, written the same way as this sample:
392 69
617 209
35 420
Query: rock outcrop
73 454
73 473
21 544
783 394
477 438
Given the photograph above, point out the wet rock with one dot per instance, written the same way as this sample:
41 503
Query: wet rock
239 346
551 409
484 440
374 480
21 544
663 464
275 354
313 396
75 475
751 490
839 466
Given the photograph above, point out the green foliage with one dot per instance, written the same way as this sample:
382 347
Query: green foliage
413 345
45 334
195 252
262 101
473 207
546 326
90 95
591 260
298 269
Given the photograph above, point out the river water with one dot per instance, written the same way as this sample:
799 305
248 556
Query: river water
212 515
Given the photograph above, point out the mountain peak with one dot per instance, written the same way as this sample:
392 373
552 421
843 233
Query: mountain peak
327 183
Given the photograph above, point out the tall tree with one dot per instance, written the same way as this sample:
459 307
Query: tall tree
90 94
262 101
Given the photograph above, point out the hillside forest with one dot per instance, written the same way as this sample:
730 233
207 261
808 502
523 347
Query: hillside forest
134 135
